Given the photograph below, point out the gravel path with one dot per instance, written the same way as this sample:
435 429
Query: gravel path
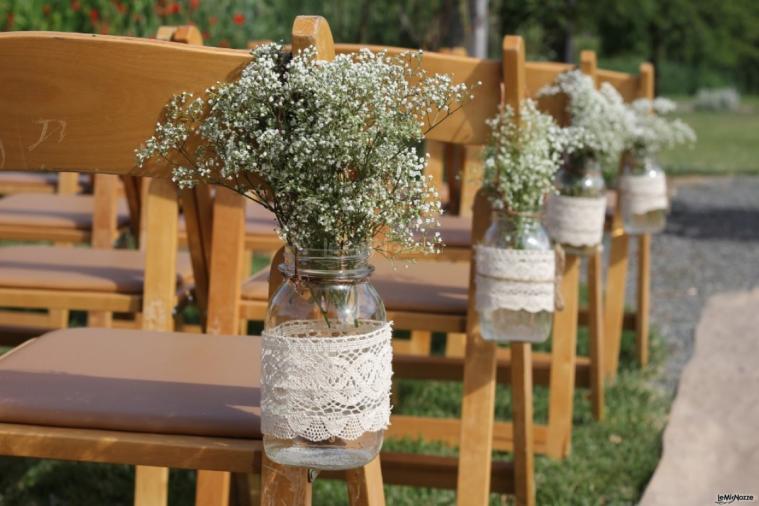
710 246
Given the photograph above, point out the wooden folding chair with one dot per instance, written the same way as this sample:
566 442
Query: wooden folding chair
550 368
144 398
616 319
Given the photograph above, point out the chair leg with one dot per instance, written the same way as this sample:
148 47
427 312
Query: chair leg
477 422
521 395
58 318
365 485
644 288
246 489
103 319
595 331
212 488
563 353
614 303
284 485
455 344
420 342
151 486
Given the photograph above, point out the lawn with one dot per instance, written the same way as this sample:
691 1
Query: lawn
728 142
610 462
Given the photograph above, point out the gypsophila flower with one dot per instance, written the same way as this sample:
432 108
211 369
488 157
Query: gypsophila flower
522 157
600 120
652 132
328 147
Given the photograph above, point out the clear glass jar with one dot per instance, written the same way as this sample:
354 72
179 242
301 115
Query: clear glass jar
329 287
581 177
644 175
521 232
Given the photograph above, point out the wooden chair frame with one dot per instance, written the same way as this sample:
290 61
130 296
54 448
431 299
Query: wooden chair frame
100 306
616 319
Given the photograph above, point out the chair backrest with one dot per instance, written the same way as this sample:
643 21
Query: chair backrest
74 102
83 103
630 86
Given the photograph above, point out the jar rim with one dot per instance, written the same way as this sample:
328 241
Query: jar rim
332 264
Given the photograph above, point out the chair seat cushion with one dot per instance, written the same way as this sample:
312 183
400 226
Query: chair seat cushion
426 286
59 211
32 178
258 220
79 269
456 231
136 381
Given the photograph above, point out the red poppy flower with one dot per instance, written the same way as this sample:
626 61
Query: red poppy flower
75 5
173 8
94 15
194 4
238 19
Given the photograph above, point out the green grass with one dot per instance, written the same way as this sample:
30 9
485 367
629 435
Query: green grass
728 142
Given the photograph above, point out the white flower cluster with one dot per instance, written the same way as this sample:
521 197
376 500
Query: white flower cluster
522 158
600 120
652 131
328 147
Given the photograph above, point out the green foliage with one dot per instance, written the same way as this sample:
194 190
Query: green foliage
694 43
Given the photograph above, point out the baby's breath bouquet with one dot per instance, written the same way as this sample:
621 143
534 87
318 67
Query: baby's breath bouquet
329 147
599 119
522 159
515 261
652 131
643 185
596 136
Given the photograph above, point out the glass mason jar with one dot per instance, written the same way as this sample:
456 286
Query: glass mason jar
643 194
581 177
516 232
333 291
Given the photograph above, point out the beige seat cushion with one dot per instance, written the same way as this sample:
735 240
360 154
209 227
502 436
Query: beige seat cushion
456 231
258 220
41 178
136 381
427 286
59 211
97 270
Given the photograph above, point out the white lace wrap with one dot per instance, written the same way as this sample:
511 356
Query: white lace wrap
644 193
521 280
577 221
320 382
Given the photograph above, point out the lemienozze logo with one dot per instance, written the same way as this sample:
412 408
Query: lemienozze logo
731 498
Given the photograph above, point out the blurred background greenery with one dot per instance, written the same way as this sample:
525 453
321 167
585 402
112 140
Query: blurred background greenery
706 52
694 43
